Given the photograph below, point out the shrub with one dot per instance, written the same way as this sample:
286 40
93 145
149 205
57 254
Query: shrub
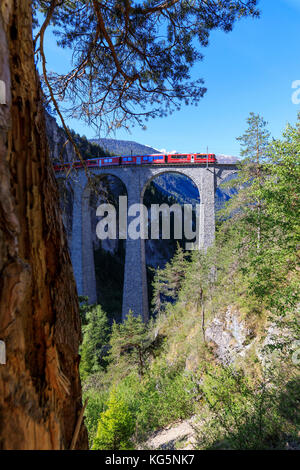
243 416
115 427
95 406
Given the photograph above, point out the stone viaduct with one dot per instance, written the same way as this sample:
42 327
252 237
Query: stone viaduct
136 178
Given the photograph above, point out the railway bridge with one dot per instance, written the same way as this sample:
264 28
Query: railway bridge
136 178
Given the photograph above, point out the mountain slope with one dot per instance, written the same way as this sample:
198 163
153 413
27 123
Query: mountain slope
124 147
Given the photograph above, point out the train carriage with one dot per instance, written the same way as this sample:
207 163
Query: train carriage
108 161
205 158
130 160
155 159
177 158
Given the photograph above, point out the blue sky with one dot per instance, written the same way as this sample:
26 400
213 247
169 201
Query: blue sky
249 69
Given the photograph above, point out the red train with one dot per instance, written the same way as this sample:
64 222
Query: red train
173 158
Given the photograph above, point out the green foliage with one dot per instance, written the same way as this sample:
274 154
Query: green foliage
84 308
168 400
95 337
245 416
129 344
116 426
255 150
255 141
163 396
168 281
95 406
266 215
86 148
200 279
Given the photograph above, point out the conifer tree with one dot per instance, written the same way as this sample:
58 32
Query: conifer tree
95 337
198 282
265 219
129 344
168 281
255 141
252 172
131 60
116 426
275 266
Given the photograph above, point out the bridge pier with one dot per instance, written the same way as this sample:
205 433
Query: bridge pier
135 292
89 286
82 254
76 239
207 208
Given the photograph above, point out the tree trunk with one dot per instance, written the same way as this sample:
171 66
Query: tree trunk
40 391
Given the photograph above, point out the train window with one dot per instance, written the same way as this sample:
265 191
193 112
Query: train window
129 159
176 157
110 159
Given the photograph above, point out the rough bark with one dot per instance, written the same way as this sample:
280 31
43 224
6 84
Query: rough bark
40 391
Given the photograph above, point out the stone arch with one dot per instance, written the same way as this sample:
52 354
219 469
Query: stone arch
159 251
223 173
164 171
204 179
187 174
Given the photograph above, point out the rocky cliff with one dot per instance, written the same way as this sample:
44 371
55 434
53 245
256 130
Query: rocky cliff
60 148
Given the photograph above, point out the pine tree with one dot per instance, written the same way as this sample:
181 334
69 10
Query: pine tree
264 217
95 337
129 344
40 397
275 266
116 426
255 141
131 60
168 281
254 148
198 282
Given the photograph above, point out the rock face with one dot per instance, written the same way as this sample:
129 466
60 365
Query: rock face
229 337
40 391
60 148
